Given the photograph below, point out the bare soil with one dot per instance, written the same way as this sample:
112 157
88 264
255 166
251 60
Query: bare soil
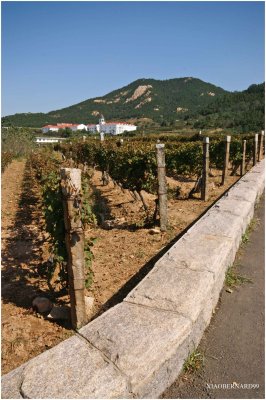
123 255
24 333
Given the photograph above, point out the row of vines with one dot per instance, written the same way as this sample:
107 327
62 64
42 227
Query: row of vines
133 166
6 159
15 143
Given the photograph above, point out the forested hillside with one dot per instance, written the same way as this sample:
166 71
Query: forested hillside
182 102
150 98
242 111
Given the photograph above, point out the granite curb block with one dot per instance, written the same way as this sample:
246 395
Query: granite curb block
137 348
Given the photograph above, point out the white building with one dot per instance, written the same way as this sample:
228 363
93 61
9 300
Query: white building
93 128
78 127
55 128
50 128
112 128
43 140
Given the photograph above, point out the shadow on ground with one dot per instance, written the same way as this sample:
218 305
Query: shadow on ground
24 274
119 296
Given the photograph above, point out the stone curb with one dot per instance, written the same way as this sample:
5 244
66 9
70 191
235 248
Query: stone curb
137 348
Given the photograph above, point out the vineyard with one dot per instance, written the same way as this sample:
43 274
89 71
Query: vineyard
15 143
133 166
119 208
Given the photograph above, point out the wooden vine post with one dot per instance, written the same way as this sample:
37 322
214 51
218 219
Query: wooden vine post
162 186
205 170
243 162
255 149
261 142
226 159
71 191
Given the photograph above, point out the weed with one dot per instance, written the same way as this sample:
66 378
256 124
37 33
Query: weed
140 224
245 238
232 279
253 224
250 228
140 254
174 193
194 362
171 232
67 334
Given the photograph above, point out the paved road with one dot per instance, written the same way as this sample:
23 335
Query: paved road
233 344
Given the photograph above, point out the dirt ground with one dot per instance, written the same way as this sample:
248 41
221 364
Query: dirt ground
123 255
24 334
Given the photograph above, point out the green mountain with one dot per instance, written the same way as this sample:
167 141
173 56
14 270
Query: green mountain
242 111
179 102
145 98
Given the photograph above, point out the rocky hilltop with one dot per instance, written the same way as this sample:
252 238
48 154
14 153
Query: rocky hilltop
187 100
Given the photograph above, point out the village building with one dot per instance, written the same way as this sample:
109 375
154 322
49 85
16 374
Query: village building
78 127
111 128
50 128
55 128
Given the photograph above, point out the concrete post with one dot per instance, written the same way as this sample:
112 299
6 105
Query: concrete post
205 170
255 149
261 142
71 191
226 159
162 186
243 163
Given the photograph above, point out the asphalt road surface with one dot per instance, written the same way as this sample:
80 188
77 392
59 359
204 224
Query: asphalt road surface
233 344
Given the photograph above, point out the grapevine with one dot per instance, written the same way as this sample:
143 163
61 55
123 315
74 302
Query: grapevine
132 165
47 167
6 159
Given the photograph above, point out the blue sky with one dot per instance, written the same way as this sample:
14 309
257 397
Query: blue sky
55 54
